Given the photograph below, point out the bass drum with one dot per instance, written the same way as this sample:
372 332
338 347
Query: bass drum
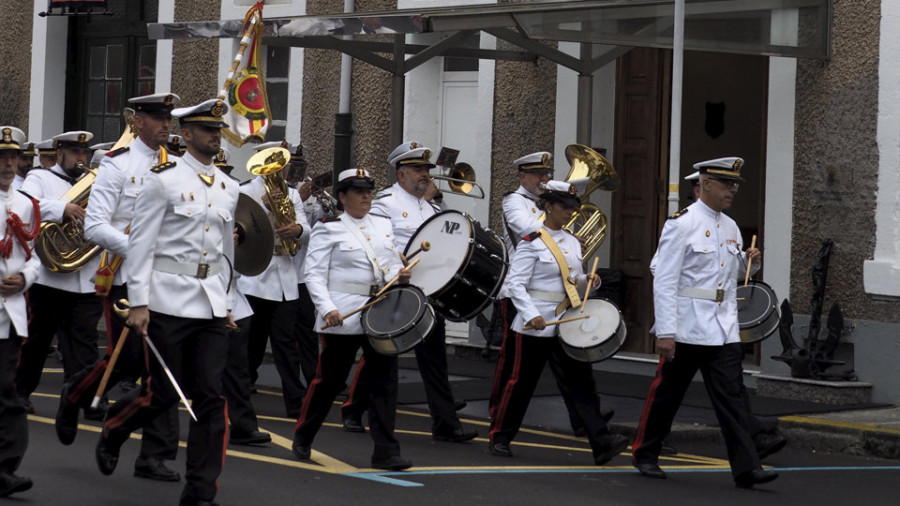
464 268
595 338
399 322
758 316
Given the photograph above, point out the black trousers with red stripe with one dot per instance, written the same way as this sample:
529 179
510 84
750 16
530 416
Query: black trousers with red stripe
506 311
236 380
159 439
380 376
431 358
196 351
13 420
529 354
721 369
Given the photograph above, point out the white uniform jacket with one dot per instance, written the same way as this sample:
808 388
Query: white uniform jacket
240 307
520 218
180 223
17 182
13 309
336 257
110 209
47 186
279 281
698 248
535 268
406 211
314 214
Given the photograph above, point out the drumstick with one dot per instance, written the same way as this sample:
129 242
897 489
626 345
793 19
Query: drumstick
587 288
361 308
424 247
391 282
749 263
557 322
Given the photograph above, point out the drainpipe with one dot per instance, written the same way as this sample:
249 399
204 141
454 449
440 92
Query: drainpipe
343 121
675 127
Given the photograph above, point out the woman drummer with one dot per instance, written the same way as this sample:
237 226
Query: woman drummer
546 261
348 259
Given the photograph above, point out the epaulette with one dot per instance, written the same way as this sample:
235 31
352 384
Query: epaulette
532 236
381 195
245 182
508 193
117 152
162 166
678 214
329 220
380 215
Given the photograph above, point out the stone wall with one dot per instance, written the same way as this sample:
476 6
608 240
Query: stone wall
195 62
836 166
15 66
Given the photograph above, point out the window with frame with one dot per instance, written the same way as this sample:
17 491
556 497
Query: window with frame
277 66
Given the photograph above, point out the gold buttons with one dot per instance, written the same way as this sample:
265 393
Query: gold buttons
209 204
723 264
720 283
707 233
721 244
207 228
204 254
188 213
405 215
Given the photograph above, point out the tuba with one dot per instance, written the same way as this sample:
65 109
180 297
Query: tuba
588 222
268 163
62 247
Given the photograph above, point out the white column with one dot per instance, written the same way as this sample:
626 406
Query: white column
881 275
164 49
48 74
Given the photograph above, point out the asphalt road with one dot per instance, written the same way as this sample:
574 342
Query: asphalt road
548 468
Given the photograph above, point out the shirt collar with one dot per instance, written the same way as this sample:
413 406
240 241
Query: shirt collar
197 166
409 196
139 146
527 193
706 210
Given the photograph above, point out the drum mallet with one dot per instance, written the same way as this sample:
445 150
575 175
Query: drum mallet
391 282
425 246
557 322
587 288
749 263
361 308
101 389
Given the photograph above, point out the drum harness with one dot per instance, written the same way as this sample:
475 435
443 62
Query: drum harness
572 297
377 270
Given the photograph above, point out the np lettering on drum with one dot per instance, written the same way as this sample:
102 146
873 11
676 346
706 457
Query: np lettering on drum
451 227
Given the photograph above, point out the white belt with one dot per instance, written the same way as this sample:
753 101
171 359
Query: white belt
546 296
201 271
702 293
355 288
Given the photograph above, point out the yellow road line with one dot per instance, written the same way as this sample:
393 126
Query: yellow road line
838 424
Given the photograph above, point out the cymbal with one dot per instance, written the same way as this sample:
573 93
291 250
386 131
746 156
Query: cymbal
256 238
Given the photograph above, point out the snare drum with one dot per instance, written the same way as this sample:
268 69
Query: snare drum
595 338
464 268
758 316
399 322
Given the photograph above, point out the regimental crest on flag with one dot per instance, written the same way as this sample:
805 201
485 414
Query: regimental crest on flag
245 88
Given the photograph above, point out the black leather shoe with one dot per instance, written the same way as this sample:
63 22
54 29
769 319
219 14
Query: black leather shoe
10 484
154 469
754 477
26 402
190 501
459 435
254 437
66 418
97 414
460 405
667 449
352 425
392 463
301 451
107 456
607 415
651 470
579 432
500 449
617 445
769 444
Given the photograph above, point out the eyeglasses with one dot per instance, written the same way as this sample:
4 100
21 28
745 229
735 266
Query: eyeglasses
728 183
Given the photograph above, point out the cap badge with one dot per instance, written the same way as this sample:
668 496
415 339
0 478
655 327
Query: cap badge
545 159
220 156
413 145
284 144
737 165
360 172
82 138
426 155
7 135
571 189
167 101
218 109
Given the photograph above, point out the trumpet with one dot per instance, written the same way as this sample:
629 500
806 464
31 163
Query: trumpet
319 190
461 181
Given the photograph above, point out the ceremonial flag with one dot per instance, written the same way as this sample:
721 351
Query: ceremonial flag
248 114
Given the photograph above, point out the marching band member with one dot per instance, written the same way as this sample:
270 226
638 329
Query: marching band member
19 267
120 179
62 304
26 163
695 269
406 204
521 217
180 252
541 281
348 258
273 296
46 151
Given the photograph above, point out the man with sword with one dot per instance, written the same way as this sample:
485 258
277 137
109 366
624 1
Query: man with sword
180 252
